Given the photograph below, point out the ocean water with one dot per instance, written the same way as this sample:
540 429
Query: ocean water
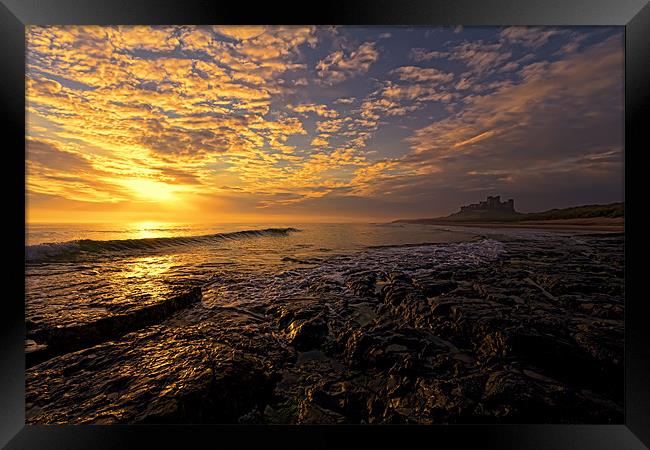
79 273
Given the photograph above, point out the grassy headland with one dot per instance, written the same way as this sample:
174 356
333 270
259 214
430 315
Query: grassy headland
607 217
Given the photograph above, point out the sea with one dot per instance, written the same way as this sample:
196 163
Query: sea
78 273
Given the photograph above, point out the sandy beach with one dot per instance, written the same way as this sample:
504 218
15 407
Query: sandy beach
599 224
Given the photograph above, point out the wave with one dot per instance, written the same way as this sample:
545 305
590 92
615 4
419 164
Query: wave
89 247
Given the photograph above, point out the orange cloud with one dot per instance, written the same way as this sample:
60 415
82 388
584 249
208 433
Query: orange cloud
320 110
338 66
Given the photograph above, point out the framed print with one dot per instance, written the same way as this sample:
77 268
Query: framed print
380 220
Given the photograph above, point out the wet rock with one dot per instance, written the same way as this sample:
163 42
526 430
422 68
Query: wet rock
435 400
434 288
254 416
303 321
59 340
386 347
362 284
363 313
160 375
314 414
534 336
306 334
340 401
512 394
286 311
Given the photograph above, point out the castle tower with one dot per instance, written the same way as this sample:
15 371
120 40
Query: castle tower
493 201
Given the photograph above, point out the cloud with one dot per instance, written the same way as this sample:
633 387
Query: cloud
339 66
320 110
422 54
478 138
331 126
531 37
173 104
345 101
276 42
573 43
526 137
420 74
240 33
479 56
157 39
259 117
54 171
319 141
536 126
377 108
47 154
416 92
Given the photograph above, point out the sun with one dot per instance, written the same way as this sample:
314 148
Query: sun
150 190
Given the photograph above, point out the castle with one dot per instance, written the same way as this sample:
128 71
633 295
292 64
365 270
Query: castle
493 203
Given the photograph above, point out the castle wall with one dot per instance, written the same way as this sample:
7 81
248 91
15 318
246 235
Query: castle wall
492 203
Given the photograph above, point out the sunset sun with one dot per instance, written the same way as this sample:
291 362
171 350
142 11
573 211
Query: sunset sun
151 190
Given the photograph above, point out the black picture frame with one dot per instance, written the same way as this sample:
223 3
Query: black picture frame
634 15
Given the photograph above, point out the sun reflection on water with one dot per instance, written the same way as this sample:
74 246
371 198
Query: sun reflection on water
152 229
148 267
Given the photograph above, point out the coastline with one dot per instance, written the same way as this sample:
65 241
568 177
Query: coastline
600 224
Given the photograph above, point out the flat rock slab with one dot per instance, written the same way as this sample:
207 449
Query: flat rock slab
162 374
58 340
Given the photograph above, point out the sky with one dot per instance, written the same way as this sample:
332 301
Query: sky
230 124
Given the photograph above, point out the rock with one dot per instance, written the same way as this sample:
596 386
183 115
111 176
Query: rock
434 288
314 414
363 313
59 340
341 400
534 336
512 394
307 334
362 284
157 376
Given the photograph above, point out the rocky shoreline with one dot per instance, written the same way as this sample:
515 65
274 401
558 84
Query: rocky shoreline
536 335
